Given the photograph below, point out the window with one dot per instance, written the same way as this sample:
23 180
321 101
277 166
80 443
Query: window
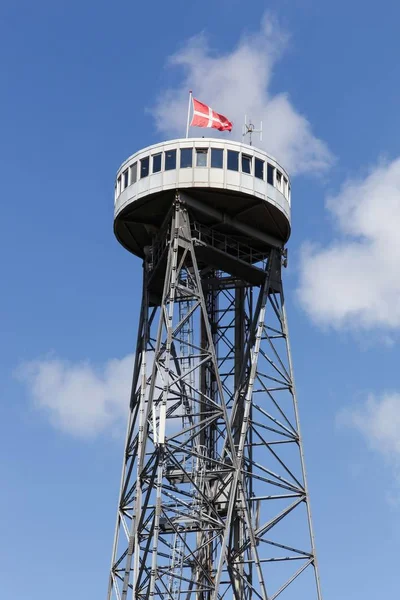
144 167
170 160
246 164
270 174
285 186
279 180
119 185
125 179
156 163
259 168
217 158
134 173
201 157
186 158
233 160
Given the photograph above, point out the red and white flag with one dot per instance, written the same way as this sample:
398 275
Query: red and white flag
205 116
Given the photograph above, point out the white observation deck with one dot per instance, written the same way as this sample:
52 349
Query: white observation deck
236 183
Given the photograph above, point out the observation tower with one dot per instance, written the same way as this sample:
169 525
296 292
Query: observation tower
213 501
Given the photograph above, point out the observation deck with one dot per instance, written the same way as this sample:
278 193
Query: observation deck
230 187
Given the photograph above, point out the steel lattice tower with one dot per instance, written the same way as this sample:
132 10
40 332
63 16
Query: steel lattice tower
213 501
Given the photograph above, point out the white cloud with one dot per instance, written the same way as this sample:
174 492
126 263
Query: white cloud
78 398
236 83
353 282
378 420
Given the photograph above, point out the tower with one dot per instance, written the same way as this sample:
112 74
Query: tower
213 501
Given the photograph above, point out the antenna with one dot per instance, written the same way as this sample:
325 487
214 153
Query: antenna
249 129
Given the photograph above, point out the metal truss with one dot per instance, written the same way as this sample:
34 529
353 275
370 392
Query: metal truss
213 501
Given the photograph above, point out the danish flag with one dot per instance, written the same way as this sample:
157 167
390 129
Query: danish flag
205 116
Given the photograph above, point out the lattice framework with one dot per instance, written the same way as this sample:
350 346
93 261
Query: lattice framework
213 501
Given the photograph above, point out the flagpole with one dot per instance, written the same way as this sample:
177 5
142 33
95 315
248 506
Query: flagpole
188 114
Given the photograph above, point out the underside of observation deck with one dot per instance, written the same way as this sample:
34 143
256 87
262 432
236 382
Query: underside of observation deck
245 217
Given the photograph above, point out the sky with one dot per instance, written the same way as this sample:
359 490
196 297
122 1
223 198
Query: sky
84 85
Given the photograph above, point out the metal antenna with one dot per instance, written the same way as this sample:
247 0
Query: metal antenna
249 129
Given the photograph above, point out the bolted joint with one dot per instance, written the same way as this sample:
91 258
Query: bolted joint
284 257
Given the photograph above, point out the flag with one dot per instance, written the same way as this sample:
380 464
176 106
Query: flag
204 116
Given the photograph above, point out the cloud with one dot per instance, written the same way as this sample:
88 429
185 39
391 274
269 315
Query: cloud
378 420
353 282
236 83
78 398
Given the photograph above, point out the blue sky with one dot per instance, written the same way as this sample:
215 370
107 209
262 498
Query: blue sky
84 85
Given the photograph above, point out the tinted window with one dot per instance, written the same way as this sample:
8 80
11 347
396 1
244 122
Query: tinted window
201 157
144 167
133 173
259 168
233 160
186 158
170 160
270 174
246 164
125 178
119 185
156 163
279 180
217 158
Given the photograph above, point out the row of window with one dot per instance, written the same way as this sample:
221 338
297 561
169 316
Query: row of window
202 157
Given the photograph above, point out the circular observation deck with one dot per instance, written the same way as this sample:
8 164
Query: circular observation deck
231 186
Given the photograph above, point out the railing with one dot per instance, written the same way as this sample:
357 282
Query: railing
228 244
